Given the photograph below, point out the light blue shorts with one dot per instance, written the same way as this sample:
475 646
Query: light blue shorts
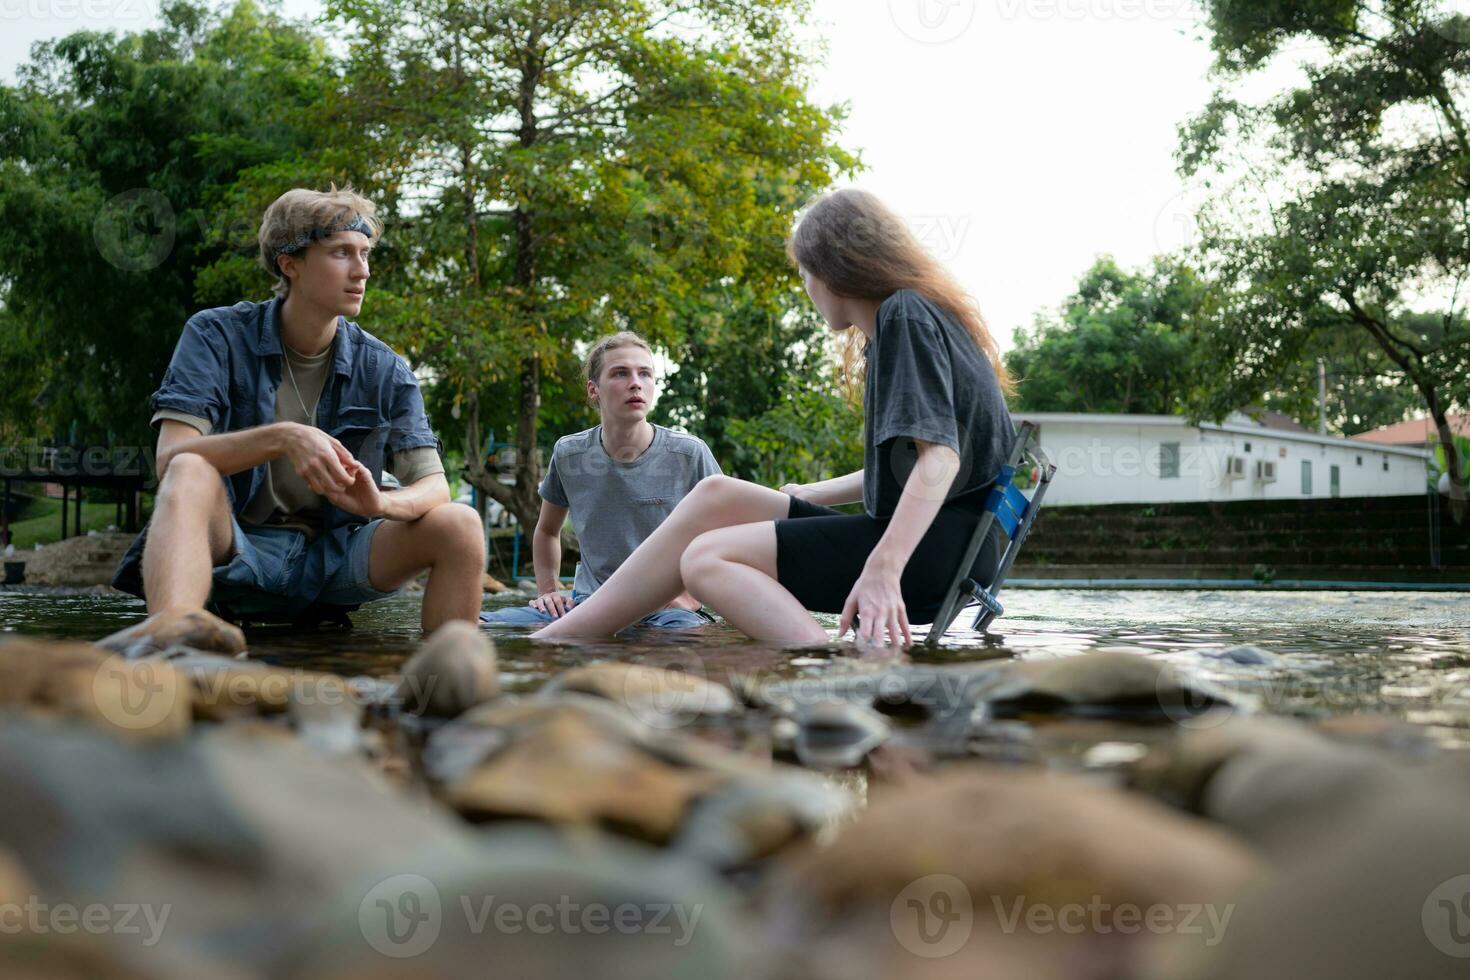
276 572
669 619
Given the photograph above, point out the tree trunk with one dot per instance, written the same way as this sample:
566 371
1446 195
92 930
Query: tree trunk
1454 465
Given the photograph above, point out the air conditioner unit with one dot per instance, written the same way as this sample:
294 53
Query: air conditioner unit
1234 467
1266 470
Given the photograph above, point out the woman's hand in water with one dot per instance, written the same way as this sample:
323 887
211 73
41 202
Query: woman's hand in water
876 602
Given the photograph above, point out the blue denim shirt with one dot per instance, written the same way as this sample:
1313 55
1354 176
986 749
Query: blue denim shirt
227 367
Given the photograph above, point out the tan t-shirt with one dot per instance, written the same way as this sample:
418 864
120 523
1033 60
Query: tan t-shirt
286 500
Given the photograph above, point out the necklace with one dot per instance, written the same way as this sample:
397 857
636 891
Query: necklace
309 413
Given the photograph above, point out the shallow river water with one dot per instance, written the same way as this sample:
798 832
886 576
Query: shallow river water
1406 655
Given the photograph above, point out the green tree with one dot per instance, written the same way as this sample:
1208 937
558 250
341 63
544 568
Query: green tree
558 169
1345 213
1123 342
117 152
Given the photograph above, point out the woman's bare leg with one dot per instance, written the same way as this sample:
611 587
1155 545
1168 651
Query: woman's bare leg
733 571
650 579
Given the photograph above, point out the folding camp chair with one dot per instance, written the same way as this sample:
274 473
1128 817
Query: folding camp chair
1007 504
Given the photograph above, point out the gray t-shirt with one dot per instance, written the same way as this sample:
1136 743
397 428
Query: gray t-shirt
927 379
286 500
614 505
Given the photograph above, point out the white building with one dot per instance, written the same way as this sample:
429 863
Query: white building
1117 459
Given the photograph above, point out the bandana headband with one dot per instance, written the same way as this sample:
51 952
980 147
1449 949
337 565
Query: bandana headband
358 224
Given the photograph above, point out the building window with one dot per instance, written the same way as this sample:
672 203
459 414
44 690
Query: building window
1360 461
1306 478
1385 464
1334 481
1247 447
1169 460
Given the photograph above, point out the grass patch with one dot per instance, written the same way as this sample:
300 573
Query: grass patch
41 522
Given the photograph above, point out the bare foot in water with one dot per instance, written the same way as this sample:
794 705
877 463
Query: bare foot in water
193 628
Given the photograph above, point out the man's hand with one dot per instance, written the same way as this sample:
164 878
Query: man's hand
323 462
686 601
362 496
553 604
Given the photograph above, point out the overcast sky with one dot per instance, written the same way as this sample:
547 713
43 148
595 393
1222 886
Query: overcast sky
1020 137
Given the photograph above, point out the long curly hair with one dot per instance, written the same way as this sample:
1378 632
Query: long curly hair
857 246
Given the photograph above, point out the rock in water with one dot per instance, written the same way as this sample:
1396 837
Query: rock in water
656 696
195 629
224 687
1105 683
452 672
1260 776
537 904
837 734
1247 655
993 874
77 681
242 840
1377 889
579 761
563 766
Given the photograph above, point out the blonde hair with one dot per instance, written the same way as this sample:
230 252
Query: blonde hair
860 249
302 212
623 338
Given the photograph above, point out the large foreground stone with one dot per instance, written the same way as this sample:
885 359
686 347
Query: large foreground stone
80 682
995 874
537 904
241 839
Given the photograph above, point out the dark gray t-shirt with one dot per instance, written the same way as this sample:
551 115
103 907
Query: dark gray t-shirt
614 505
928 380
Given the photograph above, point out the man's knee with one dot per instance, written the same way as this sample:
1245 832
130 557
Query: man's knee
190 477
456 526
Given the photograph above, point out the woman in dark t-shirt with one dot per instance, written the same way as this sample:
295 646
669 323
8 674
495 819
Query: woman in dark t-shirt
936 433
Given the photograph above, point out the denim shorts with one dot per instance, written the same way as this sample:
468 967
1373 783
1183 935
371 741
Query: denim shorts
276 571
669 619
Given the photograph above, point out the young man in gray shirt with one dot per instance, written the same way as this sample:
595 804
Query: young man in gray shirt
618 480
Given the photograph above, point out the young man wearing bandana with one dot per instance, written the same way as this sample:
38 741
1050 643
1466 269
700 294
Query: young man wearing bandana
275 422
